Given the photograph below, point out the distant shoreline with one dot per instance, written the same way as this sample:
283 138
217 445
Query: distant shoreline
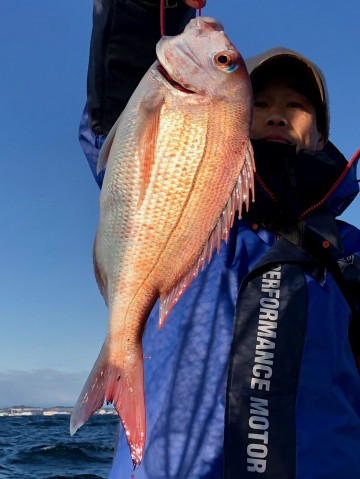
47 411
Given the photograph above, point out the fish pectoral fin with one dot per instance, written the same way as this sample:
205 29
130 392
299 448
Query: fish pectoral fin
122 385
146 137
239 197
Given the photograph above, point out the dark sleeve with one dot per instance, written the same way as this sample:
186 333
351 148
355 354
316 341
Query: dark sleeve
350 267
122 48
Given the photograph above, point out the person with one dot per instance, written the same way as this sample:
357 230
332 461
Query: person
254 372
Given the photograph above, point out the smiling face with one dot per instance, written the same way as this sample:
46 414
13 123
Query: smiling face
284 115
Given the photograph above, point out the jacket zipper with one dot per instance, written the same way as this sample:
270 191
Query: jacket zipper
264 187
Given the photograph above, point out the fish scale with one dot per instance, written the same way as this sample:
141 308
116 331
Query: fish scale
178 165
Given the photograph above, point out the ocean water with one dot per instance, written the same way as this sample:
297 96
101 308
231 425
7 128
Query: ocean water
38 447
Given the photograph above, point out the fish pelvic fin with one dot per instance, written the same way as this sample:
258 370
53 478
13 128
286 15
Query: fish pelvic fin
239 198
106 147
122 386
146 137
101 281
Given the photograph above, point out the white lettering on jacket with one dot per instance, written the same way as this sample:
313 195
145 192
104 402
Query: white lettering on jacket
257 449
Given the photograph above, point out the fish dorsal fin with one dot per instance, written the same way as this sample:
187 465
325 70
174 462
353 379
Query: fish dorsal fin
239 197
146 137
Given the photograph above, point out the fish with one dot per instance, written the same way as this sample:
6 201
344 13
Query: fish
179 164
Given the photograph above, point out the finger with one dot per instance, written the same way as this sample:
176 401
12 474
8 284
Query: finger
195 3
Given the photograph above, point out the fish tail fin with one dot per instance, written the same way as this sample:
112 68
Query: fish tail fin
122 385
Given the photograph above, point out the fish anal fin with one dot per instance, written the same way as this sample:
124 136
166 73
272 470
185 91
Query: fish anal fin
238 198
124 387
146 137
169 299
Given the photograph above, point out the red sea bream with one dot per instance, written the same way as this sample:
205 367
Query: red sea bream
178 165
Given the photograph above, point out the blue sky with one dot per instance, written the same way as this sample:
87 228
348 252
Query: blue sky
52 317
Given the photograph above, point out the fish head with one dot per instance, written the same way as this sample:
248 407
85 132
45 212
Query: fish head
202 61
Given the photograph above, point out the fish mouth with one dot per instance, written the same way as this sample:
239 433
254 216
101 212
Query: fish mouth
170 80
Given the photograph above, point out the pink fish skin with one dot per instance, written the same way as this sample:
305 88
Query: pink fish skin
178 165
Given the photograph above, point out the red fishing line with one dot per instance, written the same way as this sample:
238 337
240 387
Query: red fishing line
162 22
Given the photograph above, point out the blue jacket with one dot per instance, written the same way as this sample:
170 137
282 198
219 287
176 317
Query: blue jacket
307 401
312 418
253 374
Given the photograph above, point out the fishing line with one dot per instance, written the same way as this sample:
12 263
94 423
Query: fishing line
162 15
162 21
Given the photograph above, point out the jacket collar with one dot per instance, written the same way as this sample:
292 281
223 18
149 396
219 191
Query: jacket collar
299 183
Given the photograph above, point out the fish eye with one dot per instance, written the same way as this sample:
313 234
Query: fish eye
225 61
222 59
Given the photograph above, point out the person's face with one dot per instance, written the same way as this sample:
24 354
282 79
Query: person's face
283 115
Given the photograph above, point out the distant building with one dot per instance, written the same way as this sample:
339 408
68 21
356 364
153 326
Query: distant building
56 412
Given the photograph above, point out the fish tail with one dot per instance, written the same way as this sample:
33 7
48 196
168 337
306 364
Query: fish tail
122 385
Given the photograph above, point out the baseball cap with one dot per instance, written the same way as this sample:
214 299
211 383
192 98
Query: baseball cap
281 62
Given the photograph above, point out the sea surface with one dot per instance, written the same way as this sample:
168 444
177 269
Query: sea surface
38 447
